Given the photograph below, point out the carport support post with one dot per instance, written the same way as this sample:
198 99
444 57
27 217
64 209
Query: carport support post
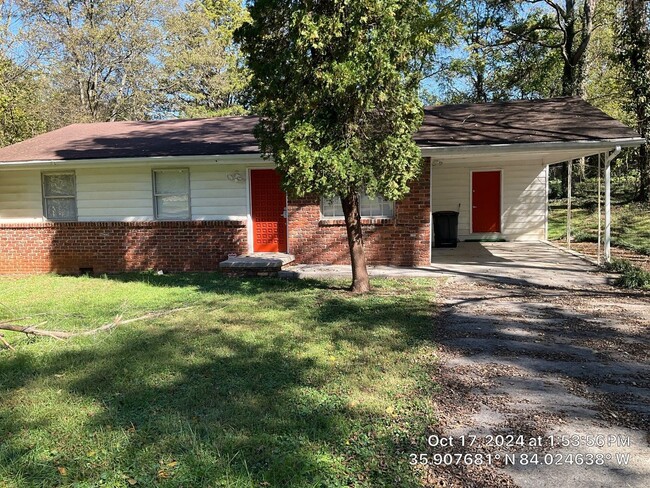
568 204
608 207
608 202
600 209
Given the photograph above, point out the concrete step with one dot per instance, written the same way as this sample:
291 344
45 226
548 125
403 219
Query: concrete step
256 264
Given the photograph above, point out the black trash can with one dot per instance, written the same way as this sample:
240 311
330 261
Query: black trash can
445 229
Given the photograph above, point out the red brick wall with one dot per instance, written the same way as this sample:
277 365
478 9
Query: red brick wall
110 247
401 241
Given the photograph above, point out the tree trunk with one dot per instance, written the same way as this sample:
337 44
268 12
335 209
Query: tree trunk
568 79
360 280
564 173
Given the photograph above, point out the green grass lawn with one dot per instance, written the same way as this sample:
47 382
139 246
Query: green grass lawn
630 224
263 382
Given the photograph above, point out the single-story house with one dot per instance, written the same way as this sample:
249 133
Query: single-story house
183 195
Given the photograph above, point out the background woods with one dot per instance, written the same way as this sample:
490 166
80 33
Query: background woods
63 62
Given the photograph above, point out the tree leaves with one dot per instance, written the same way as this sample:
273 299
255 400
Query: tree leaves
337 89
202 72
99 54
19 115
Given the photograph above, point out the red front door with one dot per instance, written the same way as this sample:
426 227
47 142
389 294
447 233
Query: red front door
486 201
268 204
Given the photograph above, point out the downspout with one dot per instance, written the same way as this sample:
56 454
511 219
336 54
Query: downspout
608 202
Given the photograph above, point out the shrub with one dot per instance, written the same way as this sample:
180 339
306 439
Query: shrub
587 189
631 276
618 265
581 236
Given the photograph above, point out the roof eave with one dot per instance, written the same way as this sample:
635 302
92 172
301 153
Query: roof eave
604 144
154 160
590 145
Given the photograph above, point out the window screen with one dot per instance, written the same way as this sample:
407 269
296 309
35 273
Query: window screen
59 196
171 189
331 207
369 207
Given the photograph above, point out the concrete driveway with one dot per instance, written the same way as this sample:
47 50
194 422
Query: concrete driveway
536 345
525 263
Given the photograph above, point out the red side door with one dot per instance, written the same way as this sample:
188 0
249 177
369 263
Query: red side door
486 201
268 204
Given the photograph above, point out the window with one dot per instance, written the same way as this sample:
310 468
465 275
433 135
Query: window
59 196
377 207
171 194
331 208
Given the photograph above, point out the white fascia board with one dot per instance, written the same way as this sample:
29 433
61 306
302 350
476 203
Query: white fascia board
590 147
150 160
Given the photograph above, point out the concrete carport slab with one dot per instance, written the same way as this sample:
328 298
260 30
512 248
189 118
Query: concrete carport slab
519 263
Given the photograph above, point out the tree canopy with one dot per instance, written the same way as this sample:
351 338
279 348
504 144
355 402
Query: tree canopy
19 115
634 55
203 75
99 54
336 86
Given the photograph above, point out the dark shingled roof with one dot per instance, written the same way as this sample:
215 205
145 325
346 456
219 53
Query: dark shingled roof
567 119
551 120
176 137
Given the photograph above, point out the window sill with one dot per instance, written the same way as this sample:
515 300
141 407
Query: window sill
333 222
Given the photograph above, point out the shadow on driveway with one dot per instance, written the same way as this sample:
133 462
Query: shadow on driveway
553 360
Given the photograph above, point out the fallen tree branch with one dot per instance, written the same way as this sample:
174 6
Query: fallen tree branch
61 335
6 344
20 319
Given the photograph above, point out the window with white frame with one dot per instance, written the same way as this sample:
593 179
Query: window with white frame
59 196
171 194
377 207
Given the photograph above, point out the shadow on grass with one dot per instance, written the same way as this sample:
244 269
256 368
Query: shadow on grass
218 283
190 401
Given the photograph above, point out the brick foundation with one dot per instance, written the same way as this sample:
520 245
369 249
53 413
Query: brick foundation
401 241
112 247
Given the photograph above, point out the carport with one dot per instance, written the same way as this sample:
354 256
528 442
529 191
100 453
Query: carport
489 162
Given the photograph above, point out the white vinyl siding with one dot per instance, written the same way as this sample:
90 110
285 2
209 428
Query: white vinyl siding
21 196
125 193
219 193
523 187
114 194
